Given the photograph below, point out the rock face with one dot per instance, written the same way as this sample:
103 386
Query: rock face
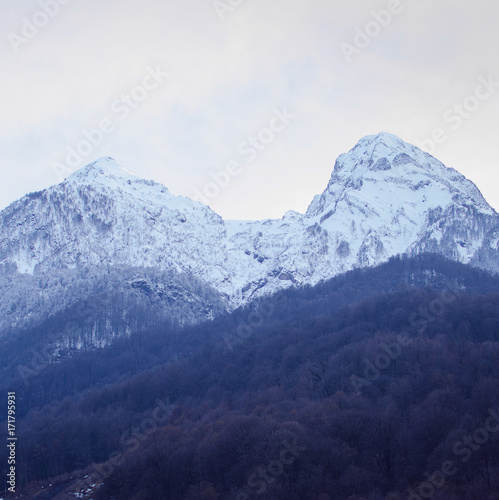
385 197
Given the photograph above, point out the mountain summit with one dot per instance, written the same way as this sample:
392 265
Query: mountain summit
103 168
385 197
398 168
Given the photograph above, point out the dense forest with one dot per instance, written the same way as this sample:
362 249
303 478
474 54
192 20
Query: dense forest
379 384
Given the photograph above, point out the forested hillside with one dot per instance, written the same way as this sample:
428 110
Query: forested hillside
379 384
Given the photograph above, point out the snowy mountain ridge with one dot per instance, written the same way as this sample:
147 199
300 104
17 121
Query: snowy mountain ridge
385 197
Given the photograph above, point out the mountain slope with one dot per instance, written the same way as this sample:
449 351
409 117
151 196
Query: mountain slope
300 373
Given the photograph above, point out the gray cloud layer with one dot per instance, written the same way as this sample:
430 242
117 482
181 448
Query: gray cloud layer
231 65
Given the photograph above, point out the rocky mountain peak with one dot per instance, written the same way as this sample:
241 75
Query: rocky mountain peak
387 174
385 198
380 153
105 168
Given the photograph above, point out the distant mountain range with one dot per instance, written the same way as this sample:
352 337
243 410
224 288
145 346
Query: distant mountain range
385 198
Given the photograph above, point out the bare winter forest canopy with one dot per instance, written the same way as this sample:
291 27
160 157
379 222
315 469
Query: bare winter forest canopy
376 384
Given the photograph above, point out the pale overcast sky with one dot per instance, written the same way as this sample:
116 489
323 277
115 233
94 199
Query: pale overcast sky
301 67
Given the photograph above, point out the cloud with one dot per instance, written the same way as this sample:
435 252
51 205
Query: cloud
225 79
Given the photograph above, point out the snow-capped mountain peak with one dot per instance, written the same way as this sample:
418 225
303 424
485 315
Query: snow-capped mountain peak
383 153
384 166
102 170
381 144
109 177
385 197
